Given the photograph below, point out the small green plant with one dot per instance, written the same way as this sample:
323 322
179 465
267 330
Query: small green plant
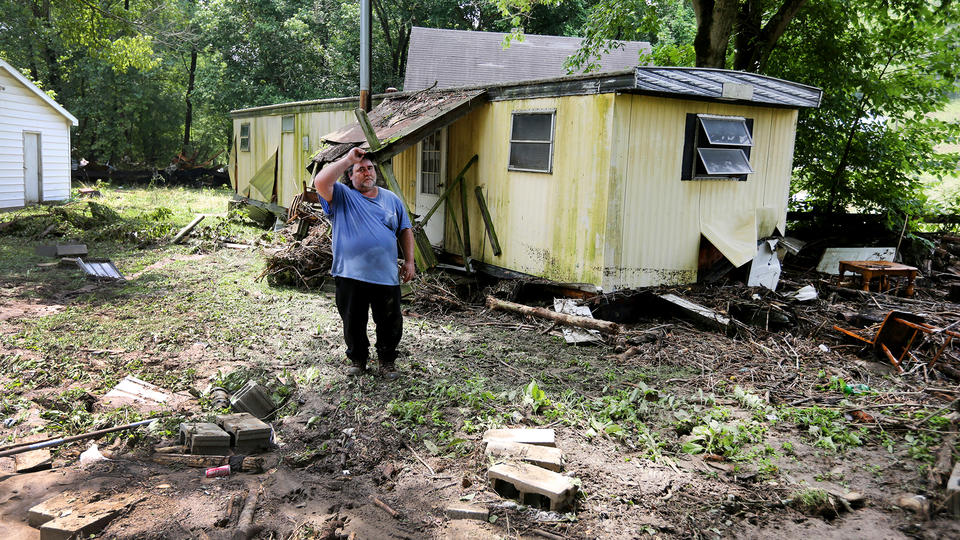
811 501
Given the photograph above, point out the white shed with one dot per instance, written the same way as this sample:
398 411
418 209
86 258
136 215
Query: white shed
34 143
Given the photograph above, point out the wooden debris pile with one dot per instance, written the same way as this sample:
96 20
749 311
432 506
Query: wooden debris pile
301 263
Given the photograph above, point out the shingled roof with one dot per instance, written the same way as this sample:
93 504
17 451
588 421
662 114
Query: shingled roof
458 58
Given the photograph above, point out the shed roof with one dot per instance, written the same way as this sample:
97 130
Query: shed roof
36 90
454 58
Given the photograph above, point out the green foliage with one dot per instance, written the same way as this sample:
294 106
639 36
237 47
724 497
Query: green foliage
827 428
884 68
724 438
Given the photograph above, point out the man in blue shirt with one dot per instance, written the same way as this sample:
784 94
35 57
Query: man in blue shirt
367 222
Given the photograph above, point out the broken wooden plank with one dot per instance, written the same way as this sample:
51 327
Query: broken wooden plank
466 220
488 222
532 485
541 437
541 456
49 509
697 312
186 230
572 320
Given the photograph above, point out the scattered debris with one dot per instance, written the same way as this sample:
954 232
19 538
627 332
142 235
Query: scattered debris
765 267
63 440
99 269
301 263
697 313
89 192
898 334
91 455
143 396
570 307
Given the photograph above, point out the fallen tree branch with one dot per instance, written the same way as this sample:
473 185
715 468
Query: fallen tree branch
570 320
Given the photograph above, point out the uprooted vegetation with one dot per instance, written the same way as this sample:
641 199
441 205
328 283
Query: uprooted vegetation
670 429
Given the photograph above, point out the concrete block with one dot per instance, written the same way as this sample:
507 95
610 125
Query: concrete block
253 398
541 437
72 250
34 460
541 456
87 519
247 432
467 511
53 507
204 438
532 485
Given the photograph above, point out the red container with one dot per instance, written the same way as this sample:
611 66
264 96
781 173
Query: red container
213 472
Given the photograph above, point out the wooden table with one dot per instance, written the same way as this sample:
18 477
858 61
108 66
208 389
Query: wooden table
869 270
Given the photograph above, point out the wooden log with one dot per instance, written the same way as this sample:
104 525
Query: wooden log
186 230
940 472
246 528
249 463
465 218
562 318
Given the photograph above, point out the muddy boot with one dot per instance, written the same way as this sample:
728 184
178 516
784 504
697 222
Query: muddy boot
358 367
389 371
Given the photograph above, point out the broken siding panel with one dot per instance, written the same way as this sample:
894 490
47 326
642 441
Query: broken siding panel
550 225
660 221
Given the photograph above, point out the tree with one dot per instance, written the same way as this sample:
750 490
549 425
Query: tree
883 67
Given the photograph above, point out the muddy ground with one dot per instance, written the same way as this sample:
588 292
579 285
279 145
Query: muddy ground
672 430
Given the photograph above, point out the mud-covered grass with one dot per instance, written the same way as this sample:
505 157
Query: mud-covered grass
696 434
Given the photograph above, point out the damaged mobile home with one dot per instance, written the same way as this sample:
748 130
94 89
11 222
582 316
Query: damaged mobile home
624 179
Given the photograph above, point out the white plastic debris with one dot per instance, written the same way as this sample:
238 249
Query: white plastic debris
91 455
805 294
823 348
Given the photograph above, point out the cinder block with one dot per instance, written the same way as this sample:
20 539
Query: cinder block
83 519
253 398
540 437
204 438
541 456
247 432
532 485
467 511
34 460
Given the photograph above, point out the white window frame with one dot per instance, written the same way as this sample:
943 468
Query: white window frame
698 144
551 142
244 140
443 164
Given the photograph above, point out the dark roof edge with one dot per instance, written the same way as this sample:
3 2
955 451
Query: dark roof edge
609 81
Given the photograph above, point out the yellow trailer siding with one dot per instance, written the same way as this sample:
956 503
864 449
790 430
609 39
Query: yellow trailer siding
658 237
549 225
266 138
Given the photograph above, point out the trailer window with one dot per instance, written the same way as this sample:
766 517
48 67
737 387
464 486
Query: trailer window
717 147
286 124
244 137
531 141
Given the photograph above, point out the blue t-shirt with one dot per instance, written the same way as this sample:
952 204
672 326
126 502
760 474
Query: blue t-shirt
365 234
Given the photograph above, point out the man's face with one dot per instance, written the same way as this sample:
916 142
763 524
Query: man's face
364 176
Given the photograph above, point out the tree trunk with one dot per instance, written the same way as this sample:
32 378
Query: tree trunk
715 20
188 115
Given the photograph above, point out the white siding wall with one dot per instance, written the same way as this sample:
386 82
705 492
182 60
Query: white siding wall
22 110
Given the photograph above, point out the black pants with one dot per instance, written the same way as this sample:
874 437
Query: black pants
354 299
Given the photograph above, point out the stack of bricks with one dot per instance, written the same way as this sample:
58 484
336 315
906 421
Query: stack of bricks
528 468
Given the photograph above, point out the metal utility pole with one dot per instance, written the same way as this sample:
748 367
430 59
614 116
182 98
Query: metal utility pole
365 55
